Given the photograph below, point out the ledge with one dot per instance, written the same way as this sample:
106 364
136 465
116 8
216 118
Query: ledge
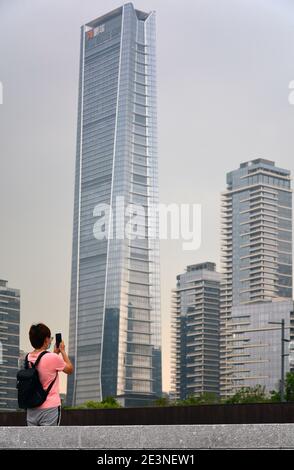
227 436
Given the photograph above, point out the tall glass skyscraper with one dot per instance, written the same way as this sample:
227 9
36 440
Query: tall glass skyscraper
115 330
256 252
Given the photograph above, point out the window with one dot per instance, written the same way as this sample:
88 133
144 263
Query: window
140 119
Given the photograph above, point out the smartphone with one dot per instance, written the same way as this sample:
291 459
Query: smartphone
58 339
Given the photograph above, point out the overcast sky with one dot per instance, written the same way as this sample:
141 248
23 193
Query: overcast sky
224 68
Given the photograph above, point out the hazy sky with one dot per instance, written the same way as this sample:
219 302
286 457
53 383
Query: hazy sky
224 67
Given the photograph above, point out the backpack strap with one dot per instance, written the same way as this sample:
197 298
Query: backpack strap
37 362
26 362
51 384
39 358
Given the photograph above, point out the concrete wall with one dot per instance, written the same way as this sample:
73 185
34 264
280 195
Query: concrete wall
227 436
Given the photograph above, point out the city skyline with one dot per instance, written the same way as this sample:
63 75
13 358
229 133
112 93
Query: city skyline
205 78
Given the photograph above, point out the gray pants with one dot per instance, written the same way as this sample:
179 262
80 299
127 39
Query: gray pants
44 417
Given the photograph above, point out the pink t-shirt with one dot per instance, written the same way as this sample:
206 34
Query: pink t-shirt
49 364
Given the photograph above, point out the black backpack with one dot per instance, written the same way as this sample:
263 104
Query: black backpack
30 392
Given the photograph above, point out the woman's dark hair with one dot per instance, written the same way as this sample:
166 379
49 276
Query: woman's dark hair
38 333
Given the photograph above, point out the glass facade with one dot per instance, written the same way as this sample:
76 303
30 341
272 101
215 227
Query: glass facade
195 332
9 345
115 330
256 343
256 245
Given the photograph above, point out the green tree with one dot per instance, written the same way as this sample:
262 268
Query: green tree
206 398
289 388
275 396
108 402
249 395
163 401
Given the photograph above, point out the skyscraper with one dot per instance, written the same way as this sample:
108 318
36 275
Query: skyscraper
9 345
115 328
195 325
254 344
256 257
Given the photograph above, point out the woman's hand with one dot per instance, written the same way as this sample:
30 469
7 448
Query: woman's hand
61 348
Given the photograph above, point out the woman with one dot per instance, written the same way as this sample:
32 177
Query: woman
48 414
